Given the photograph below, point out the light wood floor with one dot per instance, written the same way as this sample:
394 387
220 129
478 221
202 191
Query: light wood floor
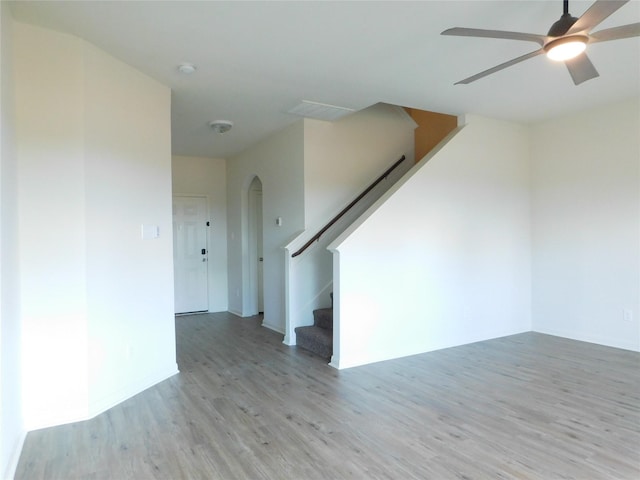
245 406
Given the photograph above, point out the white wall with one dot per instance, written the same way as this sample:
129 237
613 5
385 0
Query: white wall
50 144
94 165
12 431
127 184
279 163
308 171
586 225
341 159
208 177
446 260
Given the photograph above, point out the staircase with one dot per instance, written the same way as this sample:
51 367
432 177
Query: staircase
318 338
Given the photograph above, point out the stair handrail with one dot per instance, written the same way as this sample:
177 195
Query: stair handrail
348 207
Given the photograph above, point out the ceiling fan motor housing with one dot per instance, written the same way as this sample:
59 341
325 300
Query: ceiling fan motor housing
562 26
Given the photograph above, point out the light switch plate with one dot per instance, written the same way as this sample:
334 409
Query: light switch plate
150 232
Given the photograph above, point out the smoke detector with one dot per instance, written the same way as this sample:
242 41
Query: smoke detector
186 68
221 126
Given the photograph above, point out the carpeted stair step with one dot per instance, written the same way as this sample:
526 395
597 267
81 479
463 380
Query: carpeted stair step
316 339
323 318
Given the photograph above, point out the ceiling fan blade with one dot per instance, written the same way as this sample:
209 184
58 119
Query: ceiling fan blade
596 13
476 32
581 69
497 68
616 33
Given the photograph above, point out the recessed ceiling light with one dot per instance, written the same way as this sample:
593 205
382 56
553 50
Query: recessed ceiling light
186 68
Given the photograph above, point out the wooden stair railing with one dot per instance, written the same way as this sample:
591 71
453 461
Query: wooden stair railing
348 207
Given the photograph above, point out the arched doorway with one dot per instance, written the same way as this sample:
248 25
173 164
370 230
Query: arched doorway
255 246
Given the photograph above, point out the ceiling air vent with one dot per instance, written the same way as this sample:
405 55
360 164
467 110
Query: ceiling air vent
320 111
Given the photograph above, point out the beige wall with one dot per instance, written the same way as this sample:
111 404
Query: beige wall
279 163
131 330
12 430
50 144
208 177
444 259
341 159
93 143
586 225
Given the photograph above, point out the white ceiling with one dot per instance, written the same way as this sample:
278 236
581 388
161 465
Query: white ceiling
256 60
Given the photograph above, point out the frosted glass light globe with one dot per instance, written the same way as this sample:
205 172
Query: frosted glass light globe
565 49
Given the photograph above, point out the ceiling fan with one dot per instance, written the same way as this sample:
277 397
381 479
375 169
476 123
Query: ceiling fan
566 40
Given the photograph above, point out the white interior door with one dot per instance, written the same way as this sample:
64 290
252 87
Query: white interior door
190 254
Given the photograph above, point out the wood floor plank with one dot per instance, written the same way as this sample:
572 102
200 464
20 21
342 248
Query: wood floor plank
245 406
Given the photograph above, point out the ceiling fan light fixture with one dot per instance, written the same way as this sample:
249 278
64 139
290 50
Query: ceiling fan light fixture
566 41
566 48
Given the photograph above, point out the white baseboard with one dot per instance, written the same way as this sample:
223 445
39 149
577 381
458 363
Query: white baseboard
235 312
131 390
607 342
14 457
273 327
49 419
335 362
101 405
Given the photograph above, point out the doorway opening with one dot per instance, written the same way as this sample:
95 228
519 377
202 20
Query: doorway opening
256 252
